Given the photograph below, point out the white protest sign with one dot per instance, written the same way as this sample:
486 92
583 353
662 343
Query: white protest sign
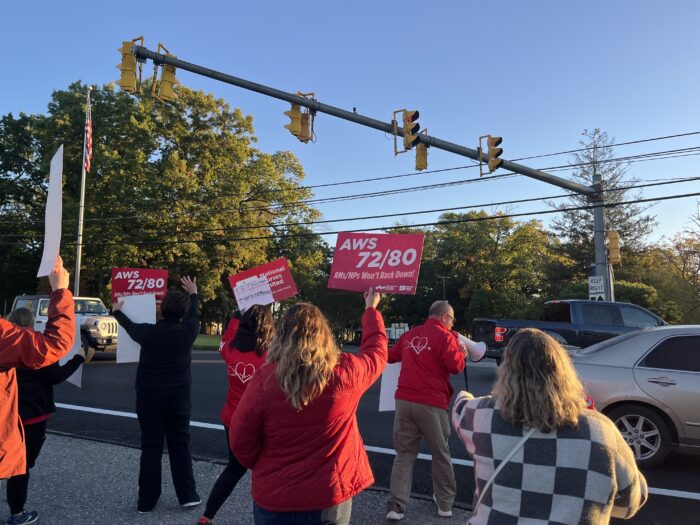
255 290
390 380
53 215
139 309
77 377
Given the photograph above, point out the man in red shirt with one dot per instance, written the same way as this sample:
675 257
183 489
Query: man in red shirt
428 354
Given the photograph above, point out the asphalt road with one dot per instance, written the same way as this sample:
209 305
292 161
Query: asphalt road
109 386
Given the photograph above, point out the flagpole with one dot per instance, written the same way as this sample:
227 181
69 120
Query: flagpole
81 208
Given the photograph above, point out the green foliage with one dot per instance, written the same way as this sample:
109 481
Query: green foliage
178 186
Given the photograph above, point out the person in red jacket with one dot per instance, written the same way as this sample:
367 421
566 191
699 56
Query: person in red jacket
244 348
296 427
25 348
35 408
428 354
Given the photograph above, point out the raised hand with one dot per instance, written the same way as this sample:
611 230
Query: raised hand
372 298
189 284
58 278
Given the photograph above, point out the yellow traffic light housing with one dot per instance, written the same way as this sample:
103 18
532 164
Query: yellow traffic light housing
294 115
305 133
166 91
614 256
129 81
422 154
494 152
410 129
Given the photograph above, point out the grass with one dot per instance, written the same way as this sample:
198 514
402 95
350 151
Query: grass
207 342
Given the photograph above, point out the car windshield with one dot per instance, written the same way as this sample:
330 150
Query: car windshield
90 306
610 342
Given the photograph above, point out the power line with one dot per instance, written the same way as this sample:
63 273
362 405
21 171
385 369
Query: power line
661 182
682 152
657 182
383 228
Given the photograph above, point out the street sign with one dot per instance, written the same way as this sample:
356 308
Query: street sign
597 297
596 286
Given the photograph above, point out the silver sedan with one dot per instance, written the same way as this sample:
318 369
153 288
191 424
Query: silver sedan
648 383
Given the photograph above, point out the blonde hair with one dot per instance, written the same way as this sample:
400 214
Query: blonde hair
305 353
537 385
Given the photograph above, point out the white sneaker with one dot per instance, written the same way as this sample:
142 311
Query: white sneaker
442 513
392 515
191 503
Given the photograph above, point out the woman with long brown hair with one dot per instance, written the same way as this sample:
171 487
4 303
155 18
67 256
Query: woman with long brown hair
244 349
296 427
539 454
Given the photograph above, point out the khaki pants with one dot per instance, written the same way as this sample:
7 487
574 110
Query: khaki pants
413 421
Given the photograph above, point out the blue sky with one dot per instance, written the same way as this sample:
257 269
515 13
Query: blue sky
536 73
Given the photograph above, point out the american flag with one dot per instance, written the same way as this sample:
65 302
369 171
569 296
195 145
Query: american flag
87 154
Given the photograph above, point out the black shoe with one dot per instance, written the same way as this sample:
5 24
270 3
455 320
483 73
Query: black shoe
24 518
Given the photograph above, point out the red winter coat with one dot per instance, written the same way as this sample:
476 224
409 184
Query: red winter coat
240 367
25 348
428 353
313 458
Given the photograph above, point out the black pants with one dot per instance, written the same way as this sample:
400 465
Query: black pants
164 416
225 483
17 486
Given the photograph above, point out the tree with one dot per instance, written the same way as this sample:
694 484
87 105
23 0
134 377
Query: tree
575 227
178 186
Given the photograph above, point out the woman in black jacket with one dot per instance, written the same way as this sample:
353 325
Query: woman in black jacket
35 407
163 394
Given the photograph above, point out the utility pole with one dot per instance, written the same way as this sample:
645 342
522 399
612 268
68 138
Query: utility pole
591 192
443 277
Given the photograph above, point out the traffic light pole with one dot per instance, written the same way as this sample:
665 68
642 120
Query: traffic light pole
143 54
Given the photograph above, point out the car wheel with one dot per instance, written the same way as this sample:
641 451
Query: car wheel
645 432
89 351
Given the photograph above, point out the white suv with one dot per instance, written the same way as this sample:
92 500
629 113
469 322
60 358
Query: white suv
98 329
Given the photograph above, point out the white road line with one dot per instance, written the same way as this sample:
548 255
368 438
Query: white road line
369 448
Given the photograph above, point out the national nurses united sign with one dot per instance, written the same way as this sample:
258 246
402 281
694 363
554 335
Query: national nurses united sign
388 262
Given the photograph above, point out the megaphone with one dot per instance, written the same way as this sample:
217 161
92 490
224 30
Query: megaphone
476 351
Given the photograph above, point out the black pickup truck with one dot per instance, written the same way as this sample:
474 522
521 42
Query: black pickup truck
572 322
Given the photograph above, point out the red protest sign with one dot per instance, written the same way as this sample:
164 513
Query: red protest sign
278 275
389 262
139 281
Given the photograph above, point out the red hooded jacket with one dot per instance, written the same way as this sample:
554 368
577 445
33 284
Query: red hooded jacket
23 347
313 458
240 367
428 353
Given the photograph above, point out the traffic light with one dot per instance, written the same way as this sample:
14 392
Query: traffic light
410 128
166 91
294 125
495 152
421 157
614 256
128 68
305 129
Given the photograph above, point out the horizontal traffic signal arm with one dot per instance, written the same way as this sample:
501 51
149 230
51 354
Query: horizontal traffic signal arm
142 53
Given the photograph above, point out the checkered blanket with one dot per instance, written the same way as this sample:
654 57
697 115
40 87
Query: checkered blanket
580 475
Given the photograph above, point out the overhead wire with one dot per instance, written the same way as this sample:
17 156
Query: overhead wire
387 228
659 182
